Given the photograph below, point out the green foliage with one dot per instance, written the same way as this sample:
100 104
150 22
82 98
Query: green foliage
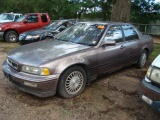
155 52
144 11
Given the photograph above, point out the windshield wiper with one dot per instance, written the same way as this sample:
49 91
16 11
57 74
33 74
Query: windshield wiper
79 43
62 40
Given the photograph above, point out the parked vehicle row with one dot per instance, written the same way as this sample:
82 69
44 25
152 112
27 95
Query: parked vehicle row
10 31
75 57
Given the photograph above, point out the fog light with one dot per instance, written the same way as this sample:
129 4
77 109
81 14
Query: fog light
30 84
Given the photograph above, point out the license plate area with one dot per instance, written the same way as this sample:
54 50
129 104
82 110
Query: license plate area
147 100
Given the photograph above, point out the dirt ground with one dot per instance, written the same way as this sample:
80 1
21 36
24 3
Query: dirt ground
111 97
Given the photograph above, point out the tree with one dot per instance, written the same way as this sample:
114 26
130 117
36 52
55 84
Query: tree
121 10
144 11
105 6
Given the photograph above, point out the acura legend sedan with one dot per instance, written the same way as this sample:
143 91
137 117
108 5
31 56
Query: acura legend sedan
76 57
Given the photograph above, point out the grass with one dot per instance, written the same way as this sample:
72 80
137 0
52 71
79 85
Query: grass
156 51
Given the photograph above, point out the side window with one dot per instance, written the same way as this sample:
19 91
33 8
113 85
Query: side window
16 17
114 33
44 18
32 18
129 33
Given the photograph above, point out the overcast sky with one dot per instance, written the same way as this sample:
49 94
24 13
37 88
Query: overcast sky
157 1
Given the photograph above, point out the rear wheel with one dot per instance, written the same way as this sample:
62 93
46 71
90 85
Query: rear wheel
142 60
72 82
11 36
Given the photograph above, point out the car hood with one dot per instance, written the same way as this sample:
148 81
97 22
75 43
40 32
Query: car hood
3 21
37 31
38 53
156 62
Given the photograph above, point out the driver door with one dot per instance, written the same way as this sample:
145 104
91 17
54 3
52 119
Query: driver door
30 23
111 58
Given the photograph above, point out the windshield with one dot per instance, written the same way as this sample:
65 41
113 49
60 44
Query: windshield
1 15
20 18
53 25
83 33
6 17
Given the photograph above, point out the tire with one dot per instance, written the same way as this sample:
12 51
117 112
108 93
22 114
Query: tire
72 82
11 36
142 60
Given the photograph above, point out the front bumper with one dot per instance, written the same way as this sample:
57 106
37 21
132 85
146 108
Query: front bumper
45 85
23 42
152 93
1 34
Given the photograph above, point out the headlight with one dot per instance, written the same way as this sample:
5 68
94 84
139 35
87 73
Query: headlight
36 36
29 37
149 72
0 28
35 70
155 75
32 37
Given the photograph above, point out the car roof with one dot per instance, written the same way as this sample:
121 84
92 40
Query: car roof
36 13
105 22
66 20
12 13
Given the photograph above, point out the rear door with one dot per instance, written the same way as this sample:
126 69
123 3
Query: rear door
111 58
133 44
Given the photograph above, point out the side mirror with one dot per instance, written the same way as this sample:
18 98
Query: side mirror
109 43
25 21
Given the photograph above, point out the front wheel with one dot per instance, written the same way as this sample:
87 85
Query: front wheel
72 82
11 36
142 60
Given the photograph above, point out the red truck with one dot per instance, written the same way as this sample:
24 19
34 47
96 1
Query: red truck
11 30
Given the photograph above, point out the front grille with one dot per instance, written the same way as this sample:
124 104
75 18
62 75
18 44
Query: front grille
12 64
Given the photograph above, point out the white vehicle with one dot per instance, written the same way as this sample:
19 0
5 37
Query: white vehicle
150 87
9 17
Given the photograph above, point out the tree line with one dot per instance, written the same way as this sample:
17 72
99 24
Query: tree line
140 11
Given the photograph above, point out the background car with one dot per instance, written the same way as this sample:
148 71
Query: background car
46 32
75 57
11 30
150 87
9 17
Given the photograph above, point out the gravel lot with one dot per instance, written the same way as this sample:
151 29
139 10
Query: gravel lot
110 97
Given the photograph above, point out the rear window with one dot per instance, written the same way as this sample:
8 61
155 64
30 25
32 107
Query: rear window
32 18
44 17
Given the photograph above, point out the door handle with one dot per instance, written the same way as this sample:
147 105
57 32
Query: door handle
122 47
